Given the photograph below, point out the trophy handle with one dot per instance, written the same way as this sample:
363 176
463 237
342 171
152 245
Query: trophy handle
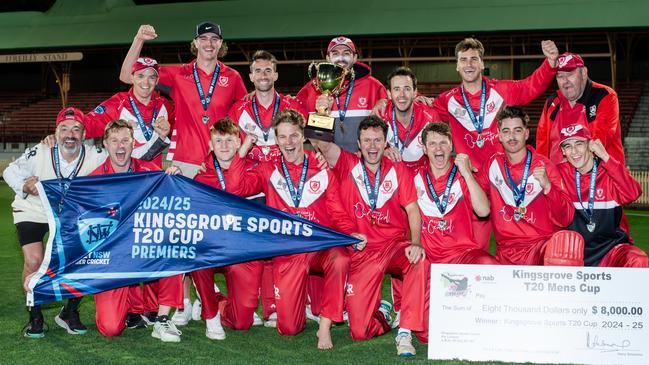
311 68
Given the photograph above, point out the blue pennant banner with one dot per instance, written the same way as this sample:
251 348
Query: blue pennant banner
115 230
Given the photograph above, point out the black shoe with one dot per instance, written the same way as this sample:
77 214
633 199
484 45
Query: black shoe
134 321
149 317
70 321
34 328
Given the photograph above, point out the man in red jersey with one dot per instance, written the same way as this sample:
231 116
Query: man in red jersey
113 305
448 196
471 108
294 183
149 112
242 280
406 118
581 100
354 102
529 201
599 186
202 91
381 196
255 115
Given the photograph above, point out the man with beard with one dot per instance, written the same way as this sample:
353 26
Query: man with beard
356 99
68 158
529 201
295 184
406 118
254 115
381 196
581 100
113 305
471 108
599 186
202 91
148 111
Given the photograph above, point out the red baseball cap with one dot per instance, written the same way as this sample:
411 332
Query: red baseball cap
578 131
70 113
569 61
144 63
341 41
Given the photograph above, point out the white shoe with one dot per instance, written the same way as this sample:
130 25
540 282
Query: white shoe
213 328
310 314
386 308
166 331
346 316
256 320
271 321
404 345
197 307
397 319
182 317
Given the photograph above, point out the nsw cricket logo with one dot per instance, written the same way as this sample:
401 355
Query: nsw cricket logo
97 224
457 285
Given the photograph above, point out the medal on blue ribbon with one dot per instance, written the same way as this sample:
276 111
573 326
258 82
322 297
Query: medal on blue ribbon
397 141
265 131
372 192
147 131
441 201
478 123
296 194
219 173
519 188
205 101
343 111
589 210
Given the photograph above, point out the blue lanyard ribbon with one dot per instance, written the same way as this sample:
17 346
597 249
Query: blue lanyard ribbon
264 131
591 191
442 201
478 122
519 189
57 170
342 112
57 163
147 131
205 101
397 141
296 195
219 173
372 193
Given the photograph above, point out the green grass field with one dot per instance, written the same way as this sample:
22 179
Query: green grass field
259 345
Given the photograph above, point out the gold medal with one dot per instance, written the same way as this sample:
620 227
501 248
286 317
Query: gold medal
522 209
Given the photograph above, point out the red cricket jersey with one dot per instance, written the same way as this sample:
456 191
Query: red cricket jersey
543 216
443 242
412 153
614 188
320 202
243 115
118 106
190 136
450 107
388 223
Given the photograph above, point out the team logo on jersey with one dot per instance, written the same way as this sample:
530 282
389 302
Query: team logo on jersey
387 187
451 198
599 194
420 142
529 188
362 102
223 81
459 112
100 109
491 107
592 111
98 224
314 186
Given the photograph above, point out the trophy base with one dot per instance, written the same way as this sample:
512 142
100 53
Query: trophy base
320 127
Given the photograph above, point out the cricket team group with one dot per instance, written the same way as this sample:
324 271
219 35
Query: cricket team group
417 180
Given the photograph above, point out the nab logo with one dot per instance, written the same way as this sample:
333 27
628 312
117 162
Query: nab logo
98 224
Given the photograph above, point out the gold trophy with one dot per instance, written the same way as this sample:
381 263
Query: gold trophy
328 79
